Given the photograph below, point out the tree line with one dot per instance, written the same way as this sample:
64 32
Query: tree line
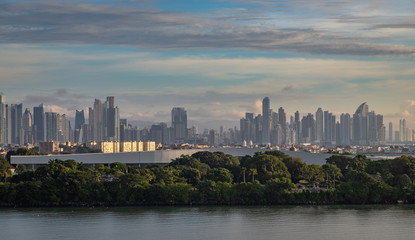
266 178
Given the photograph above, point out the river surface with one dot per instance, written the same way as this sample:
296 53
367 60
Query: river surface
210 223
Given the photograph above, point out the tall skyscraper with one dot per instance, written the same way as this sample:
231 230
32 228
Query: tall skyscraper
390 132
360 125
402 130
345 130
64 128
266 121
27 127
98 121
308 128
112 120
39 122
51 126
319 126
179 124
2 119
15 124
282 120
79 119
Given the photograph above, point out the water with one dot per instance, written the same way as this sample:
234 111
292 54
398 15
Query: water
288 222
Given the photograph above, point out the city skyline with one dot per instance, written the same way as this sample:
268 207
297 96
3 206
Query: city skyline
362 128
258 108
218 59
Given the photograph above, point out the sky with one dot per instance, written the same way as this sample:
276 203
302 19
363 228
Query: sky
218 59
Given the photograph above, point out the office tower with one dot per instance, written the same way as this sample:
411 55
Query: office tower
319 126
372 128
15 123
179 124
266 121
51 126
2 119
63 128
98 120
27 127
79 119
402 130
112 120
360 125
39 122
390 132
345 123
297 126
159 133
212 138
308 128
381 130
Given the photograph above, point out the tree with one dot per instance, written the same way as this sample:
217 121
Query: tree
340 161
220 175
269 167
313 174
4 169
332 174
253 172
295 166
359 163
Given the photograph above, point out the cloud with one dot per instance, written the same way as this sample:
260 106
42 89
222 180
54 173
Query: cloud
167 30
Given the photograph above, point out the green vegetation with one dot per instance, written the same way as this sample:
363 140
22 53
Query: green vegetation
213 178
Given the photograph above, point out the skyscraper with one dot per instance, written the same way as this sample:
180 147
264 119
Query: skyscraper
27 127
2 119
179 124
345 129
402 130
39 123
319 126
79 119
98 121
15 124
360 125
390 132
266 121
51 126
112 120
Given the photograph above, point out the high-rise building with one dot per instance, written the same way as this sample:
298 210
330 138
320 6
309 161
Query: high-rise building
15 123
402 130
179 124
345 130
79 119
27 127
64 128
360 125
159 133
2 119
51 126
98 120
266 121
319 126
390 132
308 128
112 120
39 128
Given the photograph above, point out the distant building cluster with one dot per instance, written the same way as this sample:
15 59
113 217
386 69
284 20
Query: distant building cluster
364 128
104 125
112 147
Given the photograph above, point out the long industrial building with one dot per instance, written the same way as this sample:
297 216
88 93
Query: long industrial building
160 157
